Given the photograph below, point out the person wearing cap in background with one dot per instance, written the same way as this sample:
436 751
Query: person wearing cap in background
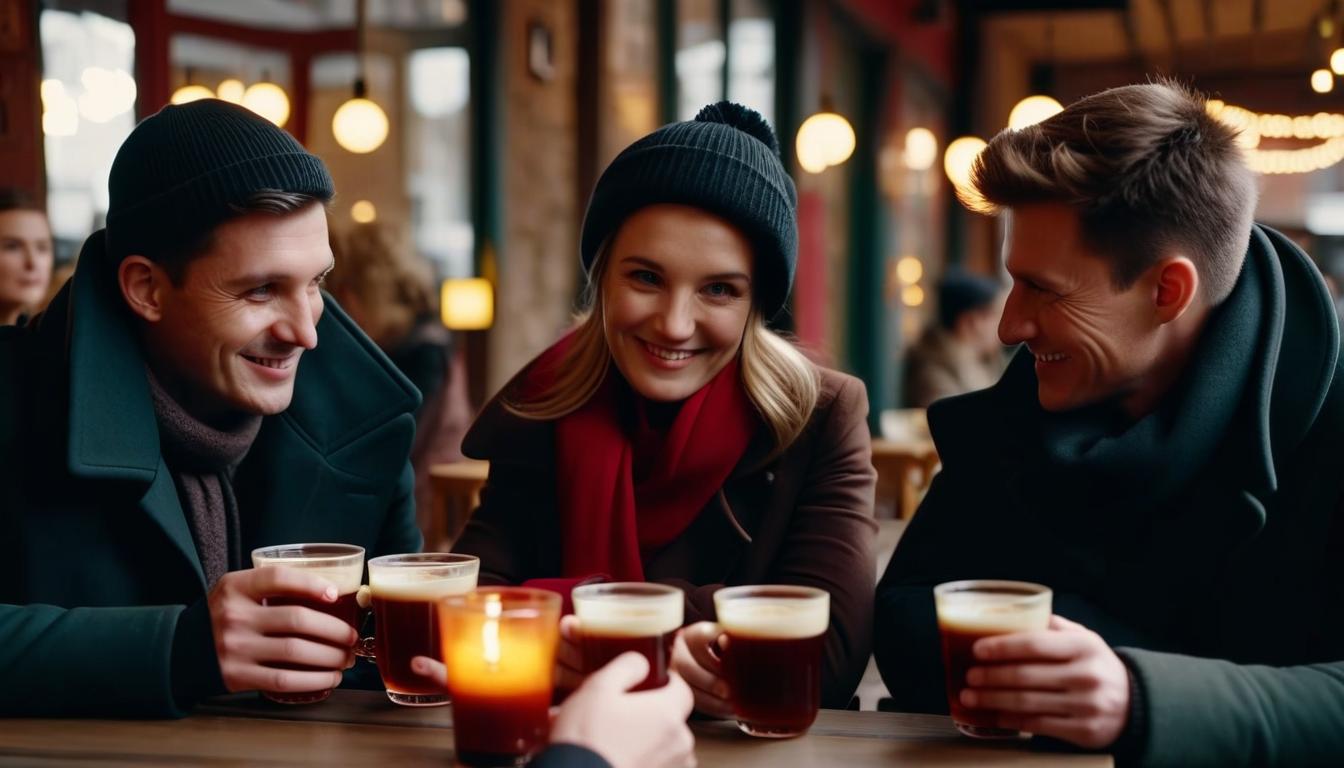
25 256
962 352
189 434
671 436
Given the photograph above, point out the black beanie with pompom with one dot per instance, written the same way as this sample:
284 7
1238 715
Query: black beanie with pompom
725 161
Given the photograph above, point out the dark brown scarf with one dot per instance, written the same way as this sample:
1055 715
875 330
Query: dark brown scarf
202 459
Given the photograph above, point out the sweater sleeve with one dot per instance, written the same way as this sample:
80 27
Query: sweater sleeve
501 530
831 539
1213 712
568 756
96 661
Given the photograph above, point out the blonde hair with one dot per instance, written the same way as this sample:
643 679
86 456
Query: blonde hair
1147 168
394 287
779 380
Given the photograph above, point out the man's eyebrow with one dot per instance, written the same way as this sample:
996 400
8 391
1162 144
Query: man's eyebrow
261 278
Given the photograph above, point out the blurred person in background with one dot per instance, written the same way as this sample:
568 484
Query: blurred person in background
389 292
962 352
25 256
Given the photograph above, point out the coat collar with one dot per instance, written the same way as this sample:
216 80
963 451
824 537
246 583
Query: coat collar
1280 319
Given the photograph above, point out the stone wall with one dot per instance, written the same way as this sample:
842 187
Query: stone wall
537 257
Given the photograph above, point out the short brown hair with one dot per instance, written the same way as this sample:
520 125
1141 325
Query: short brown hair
175 256
1148 170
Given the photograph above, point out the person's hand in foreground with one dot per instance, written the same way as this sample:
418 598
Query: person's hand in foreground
1064 682
629 730
254 642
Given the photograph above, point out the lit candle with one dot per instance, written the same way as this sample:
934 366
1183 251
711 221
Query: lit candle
499 647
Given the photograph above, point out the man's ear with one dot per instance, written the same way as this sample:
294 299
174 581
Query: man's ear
142 285
1177 286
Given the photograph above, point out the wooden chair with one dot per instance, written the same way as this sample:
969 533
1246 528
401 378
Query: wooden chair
457 493
904 470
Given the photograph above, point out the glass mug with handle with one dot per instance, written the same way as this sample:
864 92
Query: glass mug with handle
970 610
406 590
772 656
341 564
629 616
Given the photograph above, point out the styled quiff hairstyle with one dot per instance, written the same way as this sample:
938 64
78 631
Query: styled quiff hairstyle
1149 171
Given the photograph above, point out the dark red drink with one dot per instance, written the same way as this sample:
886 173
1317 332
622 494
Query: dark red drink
969 611
600 648
776 682
500 730
406 629
340 564
772 655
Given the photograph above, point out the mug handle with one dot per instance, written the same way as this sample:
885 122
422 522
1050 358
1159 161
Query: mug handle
364 645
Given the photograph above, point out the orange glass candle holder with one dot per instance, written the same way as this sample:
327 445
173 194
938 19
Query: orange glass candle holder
499 647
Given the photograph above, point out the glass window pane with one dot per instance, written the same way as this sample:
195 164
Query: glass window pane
751 48
628 85
88 99
700 56
438 161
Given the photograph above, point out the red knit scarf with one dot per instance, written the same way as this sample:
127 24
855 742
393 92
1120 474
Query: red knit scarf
626 487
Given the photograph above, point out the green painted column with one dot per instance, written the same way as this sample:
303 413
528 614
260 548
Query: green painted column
868 316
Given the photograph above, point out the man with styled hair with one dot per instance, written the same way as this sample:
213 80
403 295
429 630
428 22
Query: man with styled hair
1163 452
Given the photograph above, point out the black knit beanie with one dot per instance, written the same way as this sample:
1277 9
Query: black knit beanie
725 161
177 174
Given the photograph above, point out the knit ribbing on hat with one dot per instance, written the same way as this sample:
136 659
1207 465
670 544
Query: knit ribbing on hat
715 166
178 174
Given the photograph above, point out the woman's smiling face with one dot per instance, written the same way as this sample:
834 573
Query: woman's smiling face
676 296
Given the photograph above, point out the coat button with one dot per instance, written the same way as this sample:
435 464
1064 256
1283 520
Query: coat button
769 478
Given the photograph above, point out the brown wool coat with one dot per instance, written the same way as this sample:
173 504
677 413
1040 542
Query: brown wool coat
804 517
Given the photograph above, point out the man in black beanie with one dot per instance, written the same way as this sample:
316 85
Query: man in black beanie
170 412
961 352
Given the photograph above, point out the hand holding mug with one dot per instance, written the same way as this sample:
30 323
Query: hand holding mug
259 645
1064 682
696 656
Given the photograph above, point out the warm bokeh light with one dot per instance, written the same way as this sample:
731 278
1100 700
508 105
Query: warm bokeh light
231 90
268 100
824 139
1337 61
1032 110
959 158
360 126
921 149
363 212
60 113
909 270
467 304
1322 81
190 93
912 296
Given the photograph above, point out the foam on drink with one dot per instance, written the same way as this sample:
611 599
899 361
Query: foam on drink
768 617
628 617
409 584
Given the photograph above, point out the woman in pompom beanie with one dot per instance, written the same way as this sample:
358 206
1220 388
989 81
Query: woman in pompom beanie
671 436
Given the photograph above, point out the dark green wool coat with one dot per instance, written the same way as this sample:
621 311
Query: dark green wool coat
102 597
1205 542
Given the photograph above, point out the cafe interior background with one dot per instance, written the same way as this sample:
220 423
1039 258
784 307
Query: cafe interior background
486 122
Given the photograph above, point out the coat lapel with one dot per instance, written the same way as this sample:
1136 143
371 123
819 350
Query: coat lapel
113 436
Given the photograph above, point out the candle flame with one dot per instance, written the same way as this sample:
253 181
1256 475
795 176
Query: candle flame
490 630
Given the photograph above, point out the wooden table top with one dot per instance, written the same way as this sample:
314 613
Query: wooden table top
363 728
